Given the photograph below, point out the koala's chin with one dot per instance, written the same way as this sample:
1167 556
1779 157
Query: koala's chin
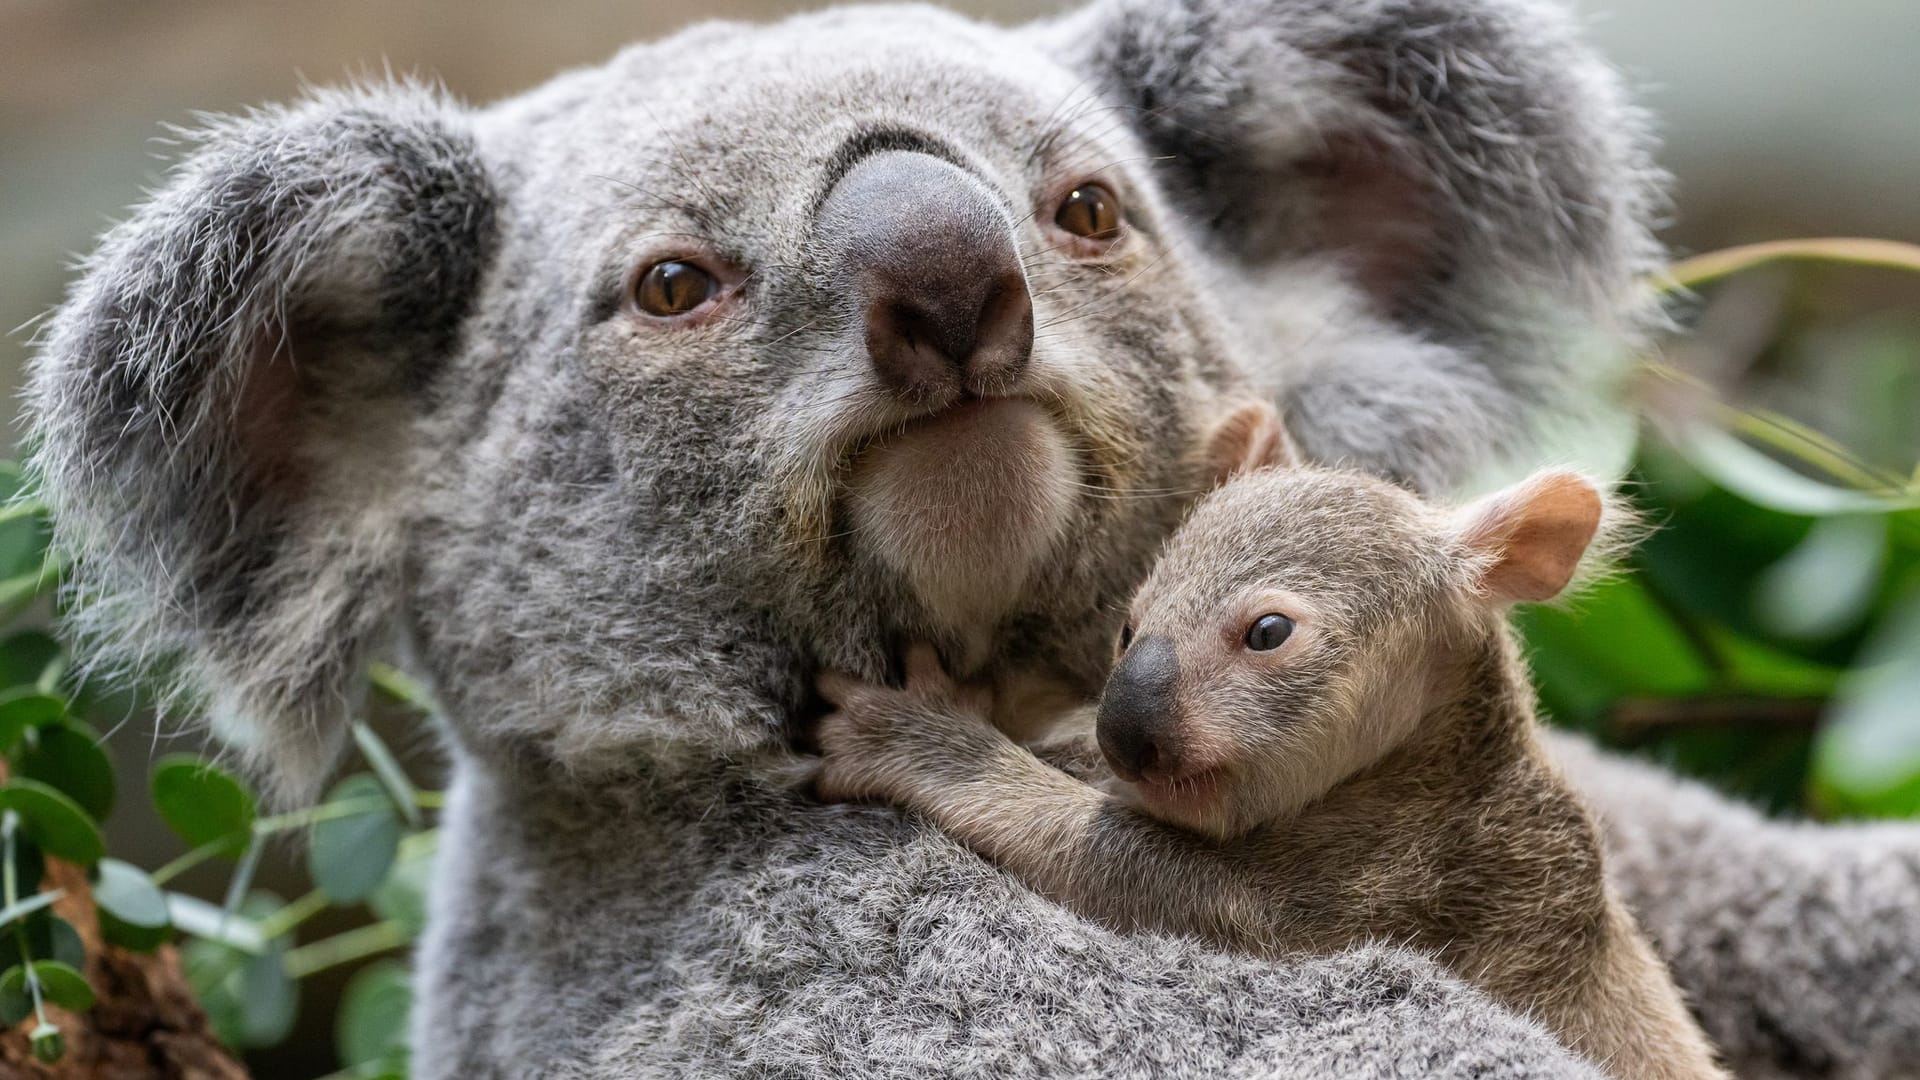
965 504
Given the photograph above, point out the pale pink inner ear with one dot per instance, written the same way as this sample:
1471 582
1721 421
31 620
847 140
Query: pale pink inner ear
1535 533
1249 438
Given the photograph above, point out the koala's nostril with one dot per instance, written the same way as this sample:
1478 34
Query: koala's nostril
1137 709
930 255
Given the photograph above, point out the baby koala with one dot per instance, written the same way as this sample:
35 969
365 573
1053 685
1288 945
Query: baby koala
1320 733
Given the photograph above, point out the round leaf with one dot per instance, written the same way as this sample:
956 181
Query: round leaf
26 656
15 1003
48 937
69 759
59 984
349 856
269 1001
203 803
403 896
25 707
52 821
133 911
371 1026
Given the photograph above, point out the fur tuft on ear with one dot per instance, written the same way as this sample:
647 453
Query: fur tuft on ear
1250 438
1529 542
224 405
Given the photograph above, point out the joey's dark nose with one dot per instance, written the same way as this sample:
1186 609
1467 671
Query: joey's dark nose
928 258
1136 711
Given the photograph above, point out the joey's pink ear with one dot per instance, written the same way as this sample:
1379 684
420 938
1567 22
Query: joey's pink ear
1532 535
1249 438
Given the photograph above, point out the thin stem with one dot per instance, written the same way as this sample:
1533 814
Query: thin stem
344 948
289 917
192 859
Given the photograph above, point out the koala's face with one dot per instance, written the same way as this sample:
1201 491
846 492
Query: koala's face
633 401
884 335
1289 636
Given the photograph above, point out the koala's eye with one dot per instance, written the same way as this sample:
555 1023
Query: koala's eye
673 288
1126 636
1269 632
1091 212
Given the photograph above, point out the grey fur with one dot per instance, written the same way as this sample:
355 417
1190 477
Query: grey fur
615 548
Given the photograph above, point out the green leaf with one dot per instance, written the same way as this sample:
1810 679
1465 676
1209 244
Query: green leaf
402 898
59 984
349 856
69 759
55 823
25 707
133 910
1825 586
16 1004
371 1026
269 1000
48 937
26 657
387 768
1867 759
203 803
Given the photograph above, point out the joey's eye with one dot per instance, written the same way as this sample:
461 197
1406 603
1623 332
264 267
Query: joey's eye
1269 632
1126 636
1090 211
673 288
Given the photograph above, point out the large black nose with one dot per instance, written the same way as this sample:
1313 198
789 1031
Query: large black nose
1136 710
929 258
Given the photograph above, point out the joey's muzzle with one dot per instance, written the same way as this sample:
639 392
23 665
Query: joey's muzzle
1136 715
926 256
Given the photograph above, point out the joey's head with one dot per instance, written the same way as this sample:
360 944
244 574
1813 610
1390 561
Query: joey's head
1303 621
628 403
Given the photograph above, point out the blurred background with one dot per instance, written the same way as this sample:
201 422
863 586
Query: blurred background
1768 638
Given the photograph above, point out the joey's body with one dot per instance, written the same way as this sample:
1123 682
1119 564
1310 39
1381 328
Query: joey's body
1457 836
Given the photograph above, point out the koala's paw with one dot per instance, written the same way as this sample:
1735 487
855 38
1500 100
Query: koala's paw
884 743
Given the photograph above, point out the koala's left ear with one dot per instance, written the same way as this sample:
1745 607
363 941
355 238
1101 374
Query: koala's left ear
1251 437
1526 542
227 407
1469 162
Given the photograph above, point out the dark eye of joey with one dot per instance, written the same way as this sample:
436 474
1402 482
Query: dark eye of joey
1126 636
1091 211
1269 632
673 288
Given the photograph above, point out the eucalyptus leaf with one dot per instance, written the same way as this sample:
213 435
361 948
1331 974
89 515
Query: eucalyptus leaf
133 910
54 822
67 758
349 855
236 930
26 657
203 803
371 1025
59 984
27 707
402 898
1867 760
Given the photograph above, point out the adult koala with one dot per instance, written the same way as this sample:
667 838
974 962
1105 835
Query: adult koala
628 404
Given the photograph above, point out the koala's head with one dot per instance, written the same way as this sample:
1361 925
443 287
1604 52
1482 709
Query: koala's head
1303 622
627 403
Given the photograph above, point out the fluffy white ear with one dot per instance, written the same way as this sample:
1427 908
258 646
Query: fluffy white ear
1528 539
1249 438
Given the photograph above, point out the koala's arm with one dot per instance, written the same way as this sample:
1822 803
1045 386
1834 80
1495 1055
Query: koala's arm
1798 946
927 751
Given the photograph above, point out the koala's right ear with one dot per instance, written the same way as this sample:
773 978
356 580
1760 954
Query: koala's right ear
1526 542
224 407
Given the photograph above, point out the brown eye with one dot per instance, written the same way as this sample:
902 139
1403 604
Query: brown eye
1126 636
673 288
1090 211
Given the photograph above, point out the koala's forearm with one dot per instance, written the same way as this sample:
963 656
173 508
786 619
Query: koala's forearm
1081 847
